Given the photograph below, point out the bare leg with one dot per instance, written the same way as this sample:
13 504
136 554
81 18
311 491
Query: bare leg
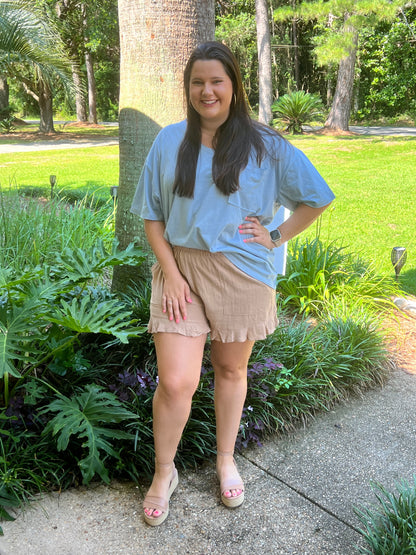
230 365
179 360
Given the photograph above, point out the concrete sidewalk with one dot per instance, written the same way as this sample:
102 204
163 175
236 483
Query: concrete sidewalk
300 493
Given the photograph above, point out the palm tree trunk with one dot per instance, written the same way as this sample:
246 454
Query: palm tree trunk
46 109
92 89
156 39
4 93
80 104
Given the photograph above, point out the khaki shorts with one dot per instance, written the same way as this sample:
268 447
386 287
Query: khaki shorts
226 302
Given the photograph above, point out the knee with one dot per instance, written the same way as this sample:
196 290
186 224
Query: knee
230 370
176 390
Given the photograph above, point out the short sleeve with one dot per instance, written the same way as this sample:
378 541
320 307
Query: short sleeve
147 198
299 182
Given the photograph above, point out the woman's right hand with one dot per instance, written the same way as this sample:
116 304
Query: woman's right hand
176 291
176 294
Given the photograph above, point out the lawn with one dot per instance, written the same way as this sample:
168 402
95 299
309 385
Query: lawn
93 169
374 180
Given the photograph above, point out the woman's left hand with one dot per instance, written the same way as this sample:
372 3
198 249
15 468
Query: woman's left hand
261 235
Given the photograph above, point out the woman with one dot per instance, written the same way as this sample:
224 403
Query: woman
209 186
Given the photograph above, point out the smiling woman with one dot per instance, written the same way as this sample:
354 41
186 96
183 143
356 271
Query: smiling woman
208 188
210 93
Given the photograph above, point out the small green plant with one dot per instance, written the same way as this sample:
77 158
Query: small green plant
297 109
7 124
318 274
390 529
7 119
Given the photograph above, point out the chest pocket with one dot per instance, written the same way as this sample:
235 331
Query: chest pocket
249 197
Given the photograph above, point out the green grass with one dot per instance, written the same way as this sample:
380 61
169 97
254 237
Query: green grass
93 169
373 178
374 181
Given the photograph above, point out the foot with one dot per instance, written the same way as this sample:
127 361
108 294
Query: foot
156 502
231 484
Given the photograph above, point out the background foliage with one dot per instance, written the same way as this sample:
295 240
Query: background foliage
384 78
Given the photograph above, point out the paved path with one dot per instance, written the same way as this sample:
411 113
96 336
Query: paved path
395 131
300 493
377 130
99 141
57 144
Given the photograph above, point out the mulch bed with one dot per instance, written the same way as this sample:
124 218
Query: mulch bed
402 340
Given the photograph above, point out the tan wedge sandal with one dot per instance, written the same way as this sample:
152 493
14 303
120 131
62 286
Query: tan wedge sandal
160 503
229 484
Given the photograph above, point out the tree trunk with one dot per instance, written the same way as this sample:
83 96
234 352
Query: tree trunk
92 89
45 108
265 62
80 103
339 115
156 39
296 53
4 93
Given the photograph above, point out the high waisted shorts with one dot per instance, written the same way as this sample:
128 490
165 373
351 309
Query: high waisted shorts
226 303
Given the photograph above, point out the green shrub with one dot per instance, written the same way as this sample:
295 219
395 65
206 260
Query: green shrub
317 275
390 529
298 108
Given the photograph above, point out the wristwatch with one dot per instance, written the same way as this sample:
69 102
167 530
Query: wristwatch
276 237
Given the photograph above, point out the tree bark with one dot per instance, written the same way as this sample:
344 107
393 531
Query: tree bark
156 39
45 108
4 93
296 53
89 63
265 61
339 115
80 103
92 89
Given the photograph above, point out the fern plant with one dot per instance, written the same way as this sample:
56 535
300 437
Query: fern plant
298 108
34 304
87 417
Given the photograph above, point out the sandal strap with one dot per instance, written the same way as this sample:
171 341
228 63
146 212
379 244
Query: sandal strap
230 483
155 502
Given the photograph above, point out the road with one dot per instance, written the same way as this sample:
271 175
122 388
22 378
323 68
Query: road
66 143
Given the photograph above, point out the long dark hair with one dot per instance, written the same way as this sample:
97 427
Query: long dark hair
234 139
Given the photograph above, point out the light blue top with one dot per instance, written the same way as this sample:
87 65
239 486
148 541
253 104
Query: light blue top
210 220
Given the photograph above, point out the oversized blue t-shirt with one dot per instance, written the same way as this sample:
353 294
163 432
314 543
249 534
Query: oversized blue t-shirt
209 221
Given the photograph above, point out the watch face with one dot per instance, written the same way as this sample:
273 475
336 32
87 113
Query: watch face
275 235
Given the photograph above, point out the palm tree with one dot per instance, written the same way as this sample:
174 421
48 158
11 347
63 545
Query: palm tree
156 39
298 108
32 53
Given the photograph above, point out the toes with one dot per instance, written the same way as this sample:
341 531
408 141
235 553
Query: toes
232 493
152 512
